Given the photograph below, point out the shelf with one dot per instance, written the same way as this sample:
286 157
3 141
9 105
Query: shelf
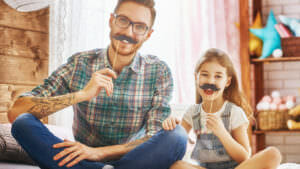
275 131
283 59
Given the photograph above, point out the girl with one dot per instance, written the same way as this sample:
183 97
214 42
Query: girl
220 120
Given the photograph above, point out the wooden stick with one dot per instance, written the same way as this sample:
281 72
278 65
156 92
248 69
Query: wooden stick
211 104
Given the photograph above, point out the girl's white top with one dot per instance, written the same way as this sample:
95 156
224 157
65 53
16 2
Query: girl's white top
237 118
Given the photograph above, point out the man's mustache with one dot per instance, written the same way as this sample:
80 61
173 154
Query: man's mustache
124 37
209 86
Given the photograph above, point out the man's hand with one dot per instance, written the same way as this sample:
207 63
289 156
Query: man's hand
75 152
101 79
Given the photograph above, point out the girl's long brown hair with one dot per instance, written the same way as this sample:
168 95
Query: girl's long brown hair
232 93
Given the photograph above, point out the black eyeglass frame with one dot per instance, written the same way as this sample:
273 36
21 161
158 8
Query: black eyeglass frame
130 23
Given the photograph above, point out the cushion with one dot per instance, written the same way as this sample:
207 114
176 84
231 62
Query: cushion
10 150
269 36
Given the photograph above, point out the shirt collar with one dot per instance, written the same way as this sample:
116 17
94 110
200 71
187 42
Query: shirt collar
135 64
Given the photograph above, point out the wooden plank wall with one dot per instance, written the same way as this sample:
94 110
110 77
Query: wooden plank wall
24 53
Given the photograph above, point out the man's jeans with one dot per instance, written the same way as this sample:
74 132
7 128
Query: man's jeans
159 152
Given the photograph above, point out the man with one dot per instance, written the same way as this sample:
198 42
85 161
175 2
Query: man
115 92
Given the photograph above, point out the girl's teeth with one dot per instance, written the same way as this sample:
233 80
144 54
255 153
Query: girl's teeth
125 41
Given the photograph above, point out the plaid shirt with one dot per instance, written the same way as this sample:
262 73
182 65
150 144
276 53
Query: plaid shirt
140 98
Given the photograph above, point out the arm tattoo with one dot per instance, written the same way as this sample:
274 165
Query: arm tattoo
135 143
44 106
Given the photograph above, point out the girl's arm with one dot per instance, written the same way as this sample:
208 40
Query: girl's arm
186 126
171 122
237 144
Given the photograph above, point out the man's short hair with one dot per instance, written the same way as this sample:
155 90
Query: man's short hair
147 3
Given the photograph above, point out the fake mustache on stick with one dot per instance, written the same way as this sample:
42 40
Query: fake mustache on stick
126 38
209 86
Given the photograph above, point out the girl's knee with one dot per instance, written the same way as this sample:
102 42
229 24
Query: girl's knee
178 165
272 157
273 153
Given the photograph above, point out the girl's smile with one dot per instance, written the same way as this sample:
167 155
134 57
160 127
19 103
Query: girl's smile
208 92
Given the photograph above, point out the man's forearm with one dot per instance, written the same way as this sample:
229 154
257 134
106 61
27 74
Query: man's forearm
43 106
117 151
131 145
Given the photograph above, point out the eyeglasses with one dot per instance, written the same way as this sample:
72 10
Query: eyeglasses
124 22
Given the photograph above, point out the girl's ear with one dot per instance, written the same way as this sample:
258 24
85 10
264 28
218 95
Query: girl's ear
196 75
228 81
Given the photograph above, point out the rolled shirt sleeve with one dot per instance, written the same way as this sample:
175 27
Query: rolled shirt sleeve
58 83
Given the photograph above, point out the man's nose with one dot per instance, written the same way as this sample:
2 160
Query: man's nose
129 31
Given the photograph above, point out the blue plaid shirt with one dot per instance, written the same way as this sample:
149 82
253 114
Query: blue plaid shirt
140 98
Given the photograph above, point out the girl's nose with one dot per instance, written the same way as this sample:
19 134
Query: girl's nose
211 80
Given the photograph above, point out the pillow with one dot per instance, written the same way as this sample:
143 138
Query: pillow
269 36
10 150
292 23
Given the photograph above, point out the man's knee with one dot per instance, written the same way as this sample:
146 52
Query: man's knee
21 123
176 136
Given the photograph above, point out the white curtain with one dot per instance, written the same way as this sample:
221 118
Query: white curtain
76 25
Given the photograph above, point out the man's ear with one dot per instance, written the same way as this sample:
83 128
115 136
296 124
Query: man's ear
149 34
228 81
111 19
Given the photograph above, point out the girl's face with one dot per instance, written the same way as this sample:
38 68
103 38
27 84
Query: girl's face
215 74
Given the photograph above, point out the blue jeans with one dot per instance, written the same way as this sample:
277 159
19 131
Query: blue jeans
159 152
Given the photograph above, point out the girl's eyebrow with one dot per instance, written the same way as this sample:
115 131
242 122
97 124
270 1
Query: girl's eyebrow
220 72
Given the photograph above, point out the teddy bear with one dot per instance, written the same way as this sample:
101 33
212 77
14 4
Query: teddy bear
294 121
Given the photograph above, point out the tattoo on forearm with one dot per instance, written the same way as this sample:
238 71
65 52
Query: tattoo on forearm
44 106
135 143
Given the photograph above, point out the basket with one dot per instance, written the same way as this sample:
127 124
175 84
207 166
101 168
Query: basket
273 119
290 46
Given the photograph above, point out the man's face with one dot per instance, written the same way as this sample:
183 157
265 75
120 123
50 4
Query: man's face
134 13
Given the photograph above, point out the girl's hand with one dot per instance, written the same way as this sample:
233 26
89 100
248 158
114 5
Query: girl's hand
170 123
215 124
